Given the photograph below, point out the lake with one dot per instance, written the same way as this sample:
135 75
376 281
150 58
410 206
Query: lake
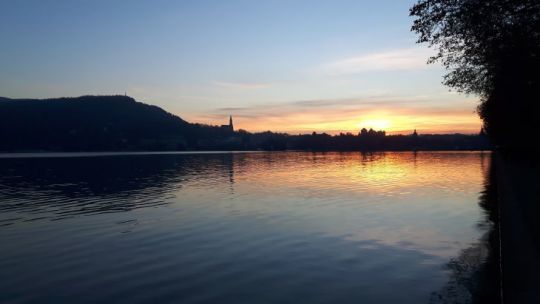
257 227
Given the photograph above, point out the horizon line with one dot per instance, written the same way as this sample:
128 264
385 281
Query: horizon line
292 133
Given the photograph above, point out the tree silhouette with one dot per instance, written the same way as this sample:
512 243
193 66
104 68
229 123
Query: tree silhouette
490 49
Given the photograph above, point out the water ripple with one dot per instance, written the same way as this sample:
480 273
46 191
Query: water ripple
282 227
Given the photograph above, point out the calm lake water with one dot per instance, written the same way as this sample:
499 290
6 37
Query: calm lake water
280 227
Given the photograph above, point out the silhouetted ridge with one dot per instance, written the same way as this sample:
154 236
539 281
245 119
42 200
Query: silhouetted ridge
88 123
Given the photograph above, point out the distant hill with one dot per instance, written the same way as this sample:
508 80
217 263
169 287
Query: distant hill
119 123
95 123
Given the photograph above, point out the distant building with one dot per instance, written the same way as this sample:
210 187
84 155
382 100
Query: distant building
230 126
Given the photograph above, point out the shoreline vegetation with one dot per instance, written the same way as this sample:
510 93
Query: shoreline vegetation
121 124
491 49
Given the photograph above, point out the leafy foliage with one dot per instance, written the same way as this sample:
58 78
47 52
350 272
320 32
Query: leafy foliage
475 39
491 49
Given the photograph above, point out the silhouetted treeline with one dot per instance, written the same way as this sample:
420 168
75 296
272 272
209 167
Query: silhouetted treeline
491 49
119 123
359 142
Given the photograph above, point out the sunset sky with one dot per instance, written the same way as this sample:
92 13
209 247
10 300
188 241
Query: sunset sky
290 66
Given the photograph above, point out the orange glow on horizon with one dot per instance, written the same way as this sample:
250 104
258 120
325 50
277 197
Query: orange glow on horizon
393 123
376 124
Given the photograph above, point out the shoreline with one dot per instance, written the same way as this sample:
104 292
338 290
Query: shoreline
519 201
7 155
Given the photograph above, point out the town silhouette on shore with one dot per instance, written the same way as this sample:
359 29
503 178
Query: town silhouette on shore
119 123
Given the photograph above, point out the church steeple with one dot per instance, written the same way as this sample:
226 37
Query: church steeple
229 127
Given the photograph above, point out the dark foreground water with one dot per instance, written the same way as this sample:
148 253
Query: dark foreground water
285 227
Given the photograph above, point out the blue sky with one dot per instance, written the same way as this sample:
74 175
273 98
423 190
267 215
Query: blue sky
292 66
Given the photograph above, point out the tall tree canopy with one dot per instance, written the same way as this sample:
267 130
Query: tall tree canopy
490 49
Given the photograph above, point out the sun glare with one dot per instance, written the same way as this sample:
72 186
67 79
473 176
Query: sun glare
376 124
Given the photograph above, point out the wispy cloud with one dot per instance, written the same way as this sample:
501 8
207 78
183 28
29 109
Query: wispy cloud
241 85
393 60
384 102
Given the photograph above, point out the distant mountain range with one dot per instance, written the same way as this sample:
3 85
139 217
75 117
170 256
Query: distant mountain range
119 123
